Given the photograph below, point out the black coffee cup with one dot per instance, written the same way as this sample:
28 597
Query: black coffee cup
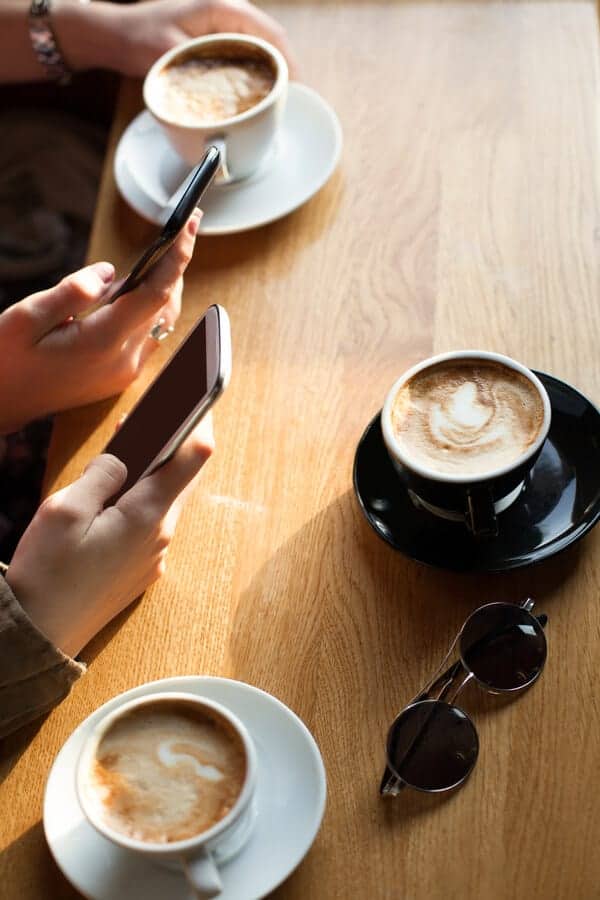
473 499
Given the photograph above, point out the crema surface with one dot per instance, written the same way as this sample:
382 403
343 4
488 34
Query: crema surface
463 418
167 773
201 92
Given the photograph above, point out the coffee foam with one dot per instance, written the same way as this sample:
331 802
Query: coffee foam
167 772
466 418
201 91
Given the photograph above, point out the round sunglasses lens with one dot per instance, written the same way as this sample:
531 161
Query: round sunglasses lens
432 746
504 646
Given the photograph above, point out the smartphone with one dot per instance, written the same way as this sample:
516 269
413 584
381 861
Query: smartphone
197 183
183 391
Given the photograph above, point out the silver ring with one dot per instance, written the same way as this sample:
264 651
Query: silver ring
158 333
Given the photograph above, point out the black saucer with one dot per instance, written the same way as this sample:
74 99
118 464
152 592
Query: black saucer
558 505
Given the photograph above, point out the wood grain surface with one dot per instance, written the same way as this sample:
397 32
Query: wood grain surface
464 213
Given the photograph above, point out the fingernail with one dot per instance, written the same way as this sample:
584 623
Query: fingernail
104 270
195 220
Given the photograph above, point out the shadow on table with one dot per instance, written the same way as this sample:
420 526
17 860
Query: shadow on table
365 632
39 875
14 745
99 642
301 227
337 556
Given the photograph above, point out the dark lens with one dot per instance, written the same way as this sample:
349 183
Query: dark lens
432 746
504 646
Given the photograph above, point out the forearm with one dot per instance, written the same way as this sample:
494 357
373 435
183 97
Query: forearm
34 675
85 33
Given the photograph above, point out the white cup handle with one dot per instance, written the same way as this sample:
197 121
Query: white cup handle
203 875
223 176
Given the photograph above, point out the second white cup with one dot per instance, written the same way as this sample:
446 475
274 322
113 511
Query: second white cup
244 140
201 854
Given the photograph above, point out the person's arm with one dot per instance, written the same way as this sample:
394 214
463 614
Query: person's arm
124 38
81 31
34 674
77 566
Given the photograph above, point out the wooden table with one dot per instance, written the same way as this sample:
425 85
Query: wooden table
465 213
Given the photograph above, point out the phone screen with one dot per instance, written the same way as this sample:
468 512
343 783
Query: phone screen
186 382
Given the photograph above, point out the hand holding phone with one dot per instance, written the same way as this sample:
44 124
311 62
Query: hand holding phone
197 183
53 567
182 393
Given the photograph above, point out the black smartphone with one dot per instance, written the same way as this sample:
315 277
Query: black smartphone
183 391
197 183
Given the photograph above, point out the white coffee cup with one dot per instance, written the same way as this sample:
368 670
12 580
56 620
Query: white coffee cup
200 855
244 140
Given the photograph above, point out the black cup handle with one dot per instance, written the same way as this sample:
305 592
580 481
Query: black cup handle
480 514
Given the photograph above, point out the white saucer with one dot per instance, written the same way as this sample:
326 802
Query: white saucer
309 143
290 803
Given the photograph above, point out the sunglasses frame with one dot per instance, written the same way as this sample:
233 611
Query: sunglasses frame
443 683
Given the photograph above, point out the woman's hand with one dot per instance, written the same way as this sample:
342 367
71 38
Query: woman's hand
129 38
78 565
50 362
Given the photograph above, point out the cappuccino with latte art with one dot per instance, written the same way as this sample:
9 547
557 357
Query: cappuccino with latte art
466 417
463 430
167 772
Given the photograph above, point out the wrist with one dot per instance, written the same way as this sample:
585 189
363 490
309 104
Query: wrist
47 618
86 33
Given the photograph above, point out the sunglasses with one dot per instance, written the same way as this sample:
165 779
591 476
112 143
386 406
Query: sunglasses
432 744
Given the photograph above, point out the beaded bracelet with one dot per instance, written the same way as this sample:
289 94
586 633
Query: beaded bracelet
44 43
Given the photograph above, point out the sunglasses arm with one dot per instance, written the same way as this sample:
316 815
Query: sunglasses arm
450 696
440 678
390 785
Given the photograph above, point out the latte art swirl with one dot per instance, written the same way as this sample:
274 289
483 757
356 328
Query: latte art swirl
461 417
465 419
167 771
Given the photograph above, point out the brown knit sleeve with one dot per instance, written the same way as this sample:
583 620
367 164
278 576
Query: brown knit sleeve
34 674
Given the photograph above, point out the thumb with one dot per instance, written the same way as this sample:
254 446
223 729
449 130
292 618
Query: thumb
70 297
101 479
155 494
